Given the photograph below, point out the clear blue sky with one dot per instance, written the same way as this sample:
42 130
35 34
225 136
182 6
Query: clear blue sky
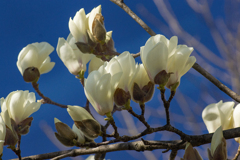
25 22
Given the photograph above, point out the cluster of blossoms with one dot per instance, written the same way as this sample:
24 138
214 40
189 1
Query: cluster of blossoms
112 80
14 119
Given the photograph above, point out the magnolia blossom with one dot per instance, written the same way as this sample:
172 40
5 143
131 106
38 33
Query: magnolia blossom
236 119
71 56
179 63
218 114
20 105
35 55
78 26
84 121
127 63
66 135
155 53
101 85
218 146
78 113
141 88
80 134
94 64
2 134
160 55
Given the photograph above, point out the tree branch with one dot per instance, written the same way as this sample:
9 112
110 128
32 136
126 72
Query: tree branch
122 5
138 146
216 82
46 99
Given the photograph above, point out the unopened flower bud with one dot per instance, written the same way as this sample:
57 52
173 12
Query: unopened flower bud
84 121
89 127
64 133
31 74
191 153
218 146
121 97
98 29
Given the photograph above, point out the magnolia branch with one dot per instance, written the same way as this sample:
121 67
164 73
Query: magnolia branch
142 145
46 99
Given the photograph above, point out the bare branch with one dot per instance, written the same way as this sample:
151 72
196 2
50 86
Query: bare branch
122 5
216 82
46 99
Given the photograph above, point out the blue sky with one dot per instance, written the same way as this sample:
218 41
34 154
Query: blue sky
25 22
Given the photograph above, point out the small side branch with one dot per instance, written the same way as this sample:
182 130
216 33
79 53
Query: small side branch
46 99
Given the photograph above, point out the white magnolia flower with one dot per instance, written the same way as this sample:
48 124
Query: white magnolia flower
80 134
78 26
94 64
218 114
4 113
155 53
71 56
20 105
236 119
91 16
141 88
35 55
218 146
66 135
101 85
160 54
2 134
84 121
78 113
127 63
179 63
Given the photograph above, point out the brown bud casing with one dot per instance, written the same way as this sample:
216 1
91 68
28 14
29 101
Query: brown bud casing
11 138
65 131
31 74
121 97
98 29
220 152
89 127
145 94
162 78
23 127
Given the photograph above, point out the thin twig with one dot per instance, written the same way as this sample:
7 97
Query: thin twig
140 117
116 134
46 99
216 82
122 5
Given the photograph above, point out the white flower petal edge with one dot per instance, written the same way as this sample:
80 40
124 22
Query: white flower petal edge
78 113
2 134
78 26
35 55
236 119
218 114
101 85
71 56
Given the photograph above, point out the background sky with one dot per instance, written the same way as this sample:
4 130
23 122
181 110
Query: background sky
25 22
